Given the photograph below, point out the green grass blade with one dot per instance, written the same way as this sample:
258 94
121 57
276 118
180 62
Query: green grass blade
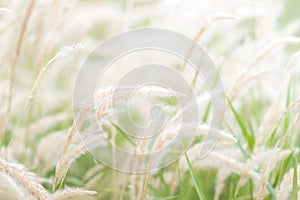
195 180
250 139
206 113
126 137
295 179
182 192
238 143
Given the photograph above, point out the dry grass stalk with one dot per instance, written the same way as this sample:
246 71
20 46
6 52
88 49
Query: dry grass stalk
270 117
63 52
26 179
52 34
139 182
292 129
214 159
47 122
261 193
258 58
44 51
49 149
10 188
70 193
285 188
209 21
220 182
202 29
105 98
17 55
252 77
283 115
71 155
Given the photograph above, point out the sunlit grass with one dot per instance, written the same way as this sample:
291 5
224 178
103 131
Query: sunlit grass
255 47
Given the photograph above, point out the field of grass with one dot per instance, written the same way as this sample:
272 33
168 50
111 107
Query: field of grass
254 45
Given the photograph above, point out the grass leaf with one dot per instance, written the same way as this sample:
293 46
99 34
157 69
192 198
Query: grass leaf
295 179
195 180
250 139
